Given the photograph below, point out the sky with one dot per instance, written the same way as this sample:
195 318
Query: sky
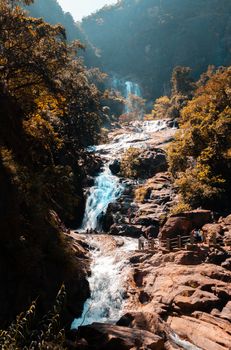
82 8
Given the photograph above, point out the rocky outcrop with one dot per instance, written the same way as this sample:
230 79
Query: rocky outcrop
184 223
110 337
126 230
185 289
149 321
203 330
145 213
115 167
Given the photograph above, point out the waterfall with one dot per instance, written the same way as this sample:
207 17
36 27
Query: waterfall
131 88
110 256
106 190
108 280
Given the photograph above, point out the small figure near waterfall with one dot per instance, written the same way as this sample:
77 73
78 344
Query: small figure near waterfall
141 243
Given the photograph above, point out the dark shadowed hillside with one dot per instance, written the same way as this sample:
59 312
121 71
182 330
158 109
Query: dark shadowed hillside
145 39
52 12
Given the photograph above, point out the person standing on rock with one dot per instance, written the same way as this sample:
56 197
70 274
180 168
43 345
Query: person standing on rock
141 241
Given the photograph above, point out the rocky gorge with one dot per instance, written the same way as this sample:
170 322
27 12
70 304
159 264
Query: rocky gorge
156 298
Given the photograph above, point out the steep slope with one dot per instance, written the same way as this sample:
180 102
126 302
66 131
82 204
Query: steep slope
52 13
144 40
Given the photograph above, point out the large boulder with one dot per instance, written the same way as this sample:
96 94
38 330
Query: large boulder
146 321
198 217
184 223
126 230
175 226
115 167
153 161
110 337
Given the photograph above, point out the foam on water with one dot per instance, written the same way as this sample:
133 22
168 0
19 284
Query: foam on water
109 268
107 282
106 190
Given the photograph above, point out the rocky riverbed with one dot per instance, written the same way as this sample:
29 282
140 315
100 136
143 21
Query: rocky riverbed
164 299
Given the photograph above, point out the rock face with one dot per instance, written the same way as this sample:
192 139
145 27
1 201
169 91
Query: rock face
145 214
149 162
184 223
152 162
203 330
109 337
115 167
191 294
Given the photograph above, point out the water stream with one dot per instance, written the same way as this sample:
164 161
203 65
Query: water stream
109 272
110 256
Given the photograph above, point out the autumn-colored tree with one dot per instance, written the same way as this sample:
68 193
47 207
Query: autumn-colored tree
200 157
50 111
181 92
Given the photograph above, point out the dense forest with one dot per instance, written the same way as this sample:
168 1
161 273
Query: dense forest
50 111
52 12
151 37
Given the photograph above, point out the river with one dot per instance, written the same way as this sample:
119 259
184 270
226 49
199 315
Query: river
110 256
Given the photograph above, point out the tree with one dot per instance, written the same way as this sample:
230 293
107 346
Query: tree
200 156
182 83
50 111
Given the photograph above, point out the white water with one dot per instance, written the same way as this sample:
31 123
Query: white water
107 282
106 190
131 88
110 264
107 187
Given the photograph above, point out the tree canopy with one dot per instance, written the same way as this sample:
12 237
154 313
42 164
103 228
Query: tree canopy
200 157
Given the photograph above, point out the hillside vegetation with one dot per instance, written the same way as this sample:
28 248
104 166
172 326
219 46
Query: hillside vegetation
200 157
50 111
144 40
52 12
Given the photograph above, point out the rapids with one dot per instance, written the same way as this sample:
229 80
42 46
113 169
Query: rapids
108 278
109 255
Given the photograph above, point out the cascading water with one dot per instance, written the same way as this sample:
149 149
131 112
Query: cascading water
109 267
131 89
109 270
106 190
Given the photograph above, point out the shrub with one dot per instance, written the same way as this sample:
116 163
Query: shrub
130 163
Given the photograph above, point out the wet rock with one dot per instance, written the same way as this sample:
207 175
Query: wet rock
206 331
110 337
147 321
89 181
190 257
184 223
115 167
151 231
126 230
